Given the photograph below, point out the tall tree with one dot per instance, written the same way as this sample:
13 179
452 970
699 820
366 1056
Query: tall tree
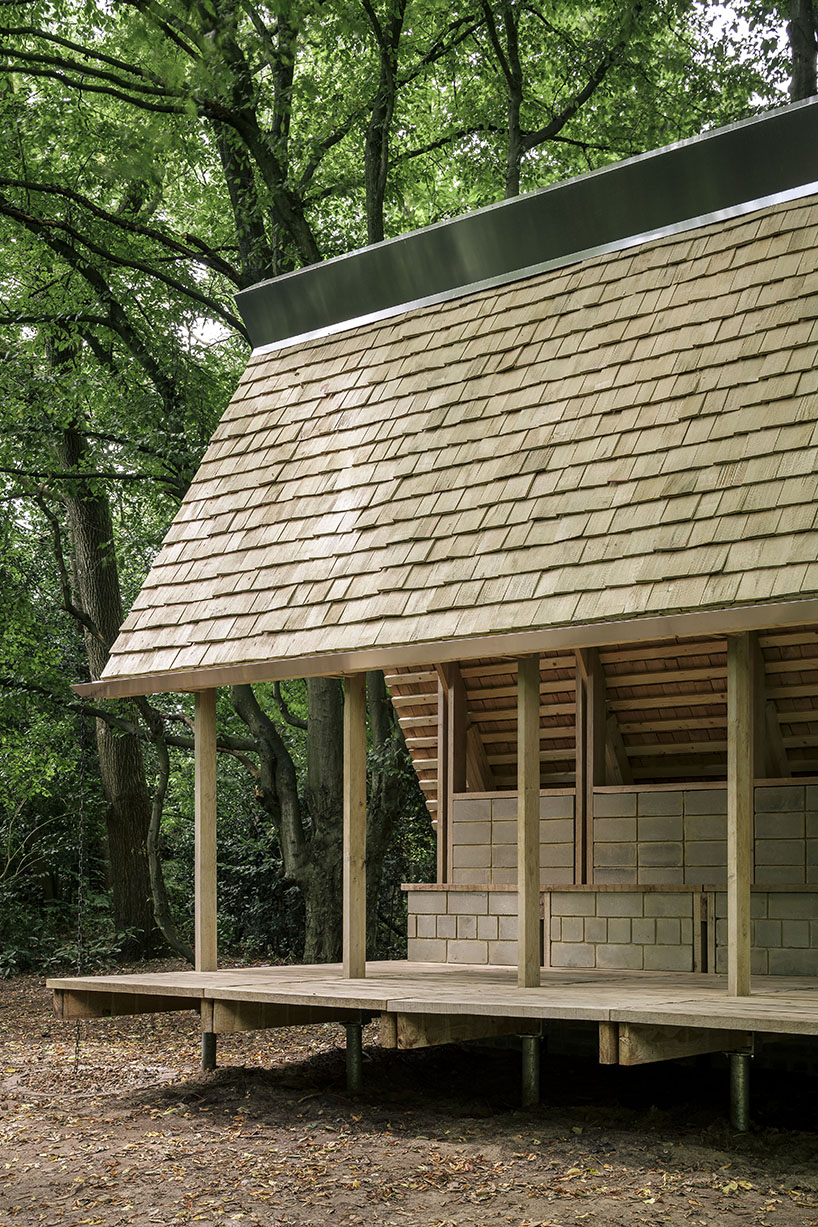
157 155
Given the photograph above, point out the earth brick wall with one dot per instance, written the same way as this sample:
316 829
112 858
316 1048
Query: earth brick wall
680 836
648 839
484 840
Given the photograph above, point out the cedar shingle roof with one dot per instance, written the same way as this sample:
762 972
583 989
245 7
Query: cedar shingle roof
636 434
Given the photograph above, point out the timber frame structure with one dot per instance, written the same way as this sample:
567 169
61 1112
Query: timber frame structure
556 475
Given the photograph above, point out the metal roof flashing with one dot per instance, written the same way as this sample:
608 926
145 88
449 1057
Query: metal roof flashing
722 174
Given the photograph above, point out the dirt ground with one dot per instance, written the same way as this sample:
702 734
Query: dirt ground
138 1134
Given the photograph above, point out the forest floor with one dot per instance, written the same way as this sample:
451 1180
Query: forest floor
138 1134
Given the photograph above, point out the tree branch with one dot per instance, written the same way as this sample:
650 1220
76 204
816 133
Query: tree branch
494 38
198 250
48 37
91 87
161 905
119 321
69 605
225 743
45 225
97 74
111 475
294 721
550 130
171 26
278 783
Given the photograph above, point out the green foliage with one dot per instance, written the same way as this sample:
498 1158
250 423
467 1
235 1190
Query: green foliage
153 159
411 854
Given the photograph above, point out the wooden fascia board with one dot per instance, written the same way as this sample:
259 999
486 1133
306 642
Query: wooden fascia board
733 620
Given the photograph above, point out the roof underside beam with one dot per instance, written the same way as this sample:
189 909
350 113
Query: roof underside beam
733 620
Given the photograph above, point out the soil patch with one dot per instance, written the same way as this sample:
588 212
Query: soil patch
134 1132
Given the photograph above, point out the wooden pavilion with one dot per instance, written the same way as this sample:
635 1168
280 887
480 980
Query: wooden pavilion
552 467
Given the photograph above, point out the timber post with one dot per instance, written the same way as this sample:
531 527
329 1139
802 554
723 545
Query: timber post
740 805
205 914
443 793
528 822
354 850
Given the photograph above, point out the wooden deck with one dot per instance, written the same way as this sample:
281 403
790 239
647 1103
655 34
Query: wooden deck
446 1001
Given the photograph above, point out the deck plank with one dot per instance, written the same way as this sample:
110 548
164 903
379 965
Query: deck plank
784 1005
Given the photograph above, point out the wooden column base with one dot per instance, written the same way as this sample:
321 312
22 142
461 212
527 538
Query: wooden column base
208 1050
530 1096
355 1058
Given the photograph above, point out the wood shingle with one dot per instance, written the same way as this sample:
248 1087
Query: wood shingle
635 434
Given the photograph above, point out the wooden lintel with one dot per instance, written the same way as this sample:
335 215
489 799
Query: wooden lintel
231 1016
78 1004
641 1044
616 632
428 1030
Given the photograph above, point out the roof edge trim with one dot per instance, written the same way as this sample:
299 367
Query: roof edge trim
545 266
723 621
745 161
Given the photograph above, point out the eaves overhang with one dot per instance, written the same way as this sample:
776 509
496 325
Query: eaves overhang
722 621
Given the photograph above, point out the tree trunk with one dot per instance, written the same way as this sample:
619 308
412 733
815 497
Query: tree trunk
376 145
801 30
255 255
310 832
122 769
324 803
159 894
514 143
323 896
385 796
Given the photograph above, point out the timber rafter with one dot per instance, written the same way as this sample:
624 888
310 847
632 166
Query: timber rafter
662 714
